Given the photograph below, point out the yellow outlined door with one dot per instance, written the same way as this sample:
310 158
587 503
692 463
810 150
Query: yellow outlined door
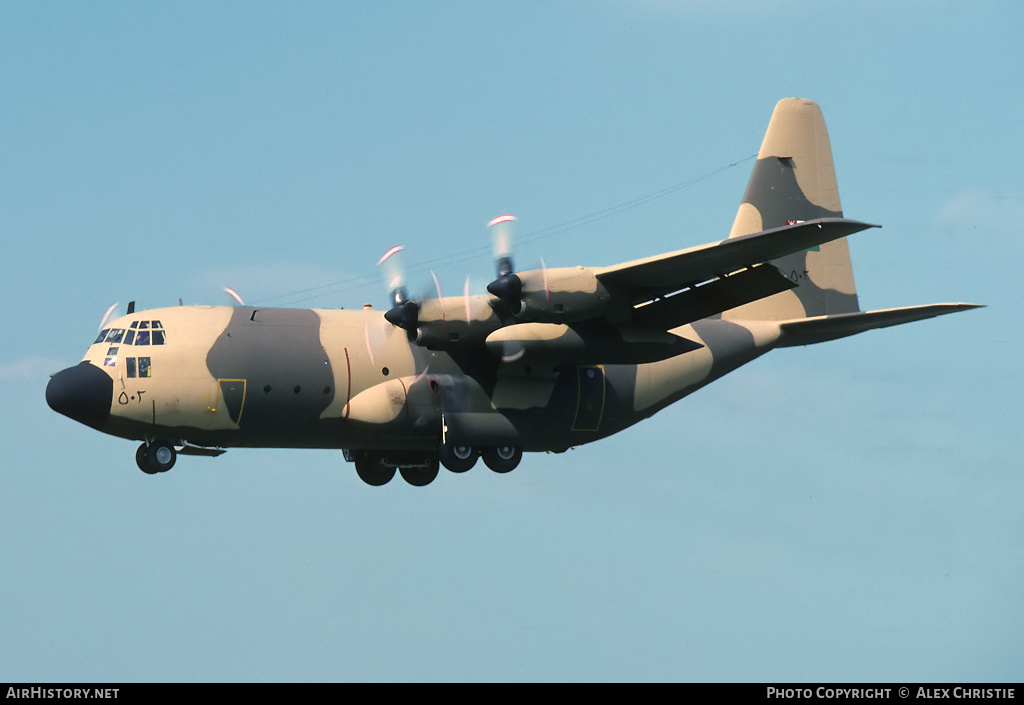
231 394
590 398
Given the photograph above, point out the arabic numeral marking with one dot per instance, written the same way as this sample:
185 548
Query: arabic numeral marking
123 398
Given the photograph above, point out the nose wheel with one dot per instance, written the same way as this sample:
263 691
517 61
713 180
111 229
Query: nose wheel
155 457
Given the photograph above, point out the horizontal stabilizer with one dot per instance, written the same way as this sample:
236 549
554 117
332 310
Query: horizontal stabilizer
807 331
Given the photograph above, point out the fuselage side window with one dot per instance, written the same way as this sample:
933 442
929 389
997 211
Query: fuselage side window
130 366
145 369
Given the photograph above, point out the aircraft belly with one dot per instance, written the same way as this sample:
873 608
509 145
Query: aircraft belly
727 345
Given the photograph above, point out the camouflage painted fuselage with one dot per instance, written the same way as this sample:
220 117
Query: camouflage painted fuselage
552 359
252 377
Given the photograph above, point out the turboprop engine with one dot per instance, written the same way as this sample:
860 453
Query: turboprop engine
559 295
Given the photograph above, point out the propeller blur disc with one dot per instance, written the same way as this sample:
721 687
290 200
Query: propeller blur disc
234 294
106 316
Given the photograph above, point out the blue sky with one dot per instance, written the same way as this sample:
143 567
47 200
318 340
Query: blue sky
848 511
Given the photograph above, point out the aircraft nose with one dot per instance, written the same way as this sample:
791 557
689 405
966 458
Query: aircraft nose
83 393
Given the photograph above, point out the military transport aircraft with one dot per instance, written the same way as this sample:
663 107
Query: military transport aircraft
548 359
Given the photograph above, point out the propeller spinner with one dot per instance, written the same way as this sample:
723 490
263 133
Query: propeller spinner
508 287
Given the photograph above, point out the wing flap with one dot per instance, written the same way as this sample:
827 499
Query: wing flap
708 298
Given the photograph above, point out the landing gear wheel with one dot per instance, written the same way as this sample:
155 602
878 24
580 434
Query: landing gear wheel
158 456
421 477
161 456
457 458
142 460
370 470
502 458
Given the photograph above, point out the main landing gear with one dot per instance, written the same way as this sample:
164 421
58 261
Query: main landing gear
378 467
155 457
460 458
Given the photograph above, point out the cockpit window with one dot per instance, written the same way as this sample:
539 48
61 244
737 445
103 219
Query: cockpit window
147 335
140 333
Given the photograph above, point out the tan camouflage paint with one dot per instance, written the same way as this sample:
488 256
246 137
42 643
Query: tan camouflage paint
181 390
360 383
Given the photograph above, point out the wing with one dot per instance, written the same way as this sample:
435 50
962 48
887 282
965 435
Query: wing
676 288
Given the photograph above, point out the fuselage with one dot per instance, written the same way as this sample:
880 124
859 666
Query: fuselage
551 358
222 377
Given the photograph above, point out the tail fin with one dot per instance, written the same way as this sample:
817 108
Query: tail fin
794 180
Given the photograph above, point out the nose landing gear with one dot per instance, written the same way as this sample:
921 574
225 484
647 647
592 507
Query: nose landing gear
155 457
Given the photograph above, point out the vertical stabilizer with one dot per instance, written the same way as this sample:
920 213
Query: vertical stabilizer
794 180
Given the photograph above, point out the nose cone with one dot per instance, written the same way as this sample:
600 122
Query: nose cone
83 393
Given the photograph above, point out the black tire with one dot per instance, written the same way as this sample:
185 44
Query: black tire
142 460
421 477
457 458
502 458
370 470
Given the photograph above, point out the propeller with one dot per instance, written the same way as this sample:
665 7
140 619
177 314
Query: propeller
403 313
234 294
501 240
508 287
106 316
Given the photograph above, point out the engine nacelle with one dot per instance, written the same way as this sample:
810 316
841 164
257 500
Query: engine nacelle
455 320
560 295
587 344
